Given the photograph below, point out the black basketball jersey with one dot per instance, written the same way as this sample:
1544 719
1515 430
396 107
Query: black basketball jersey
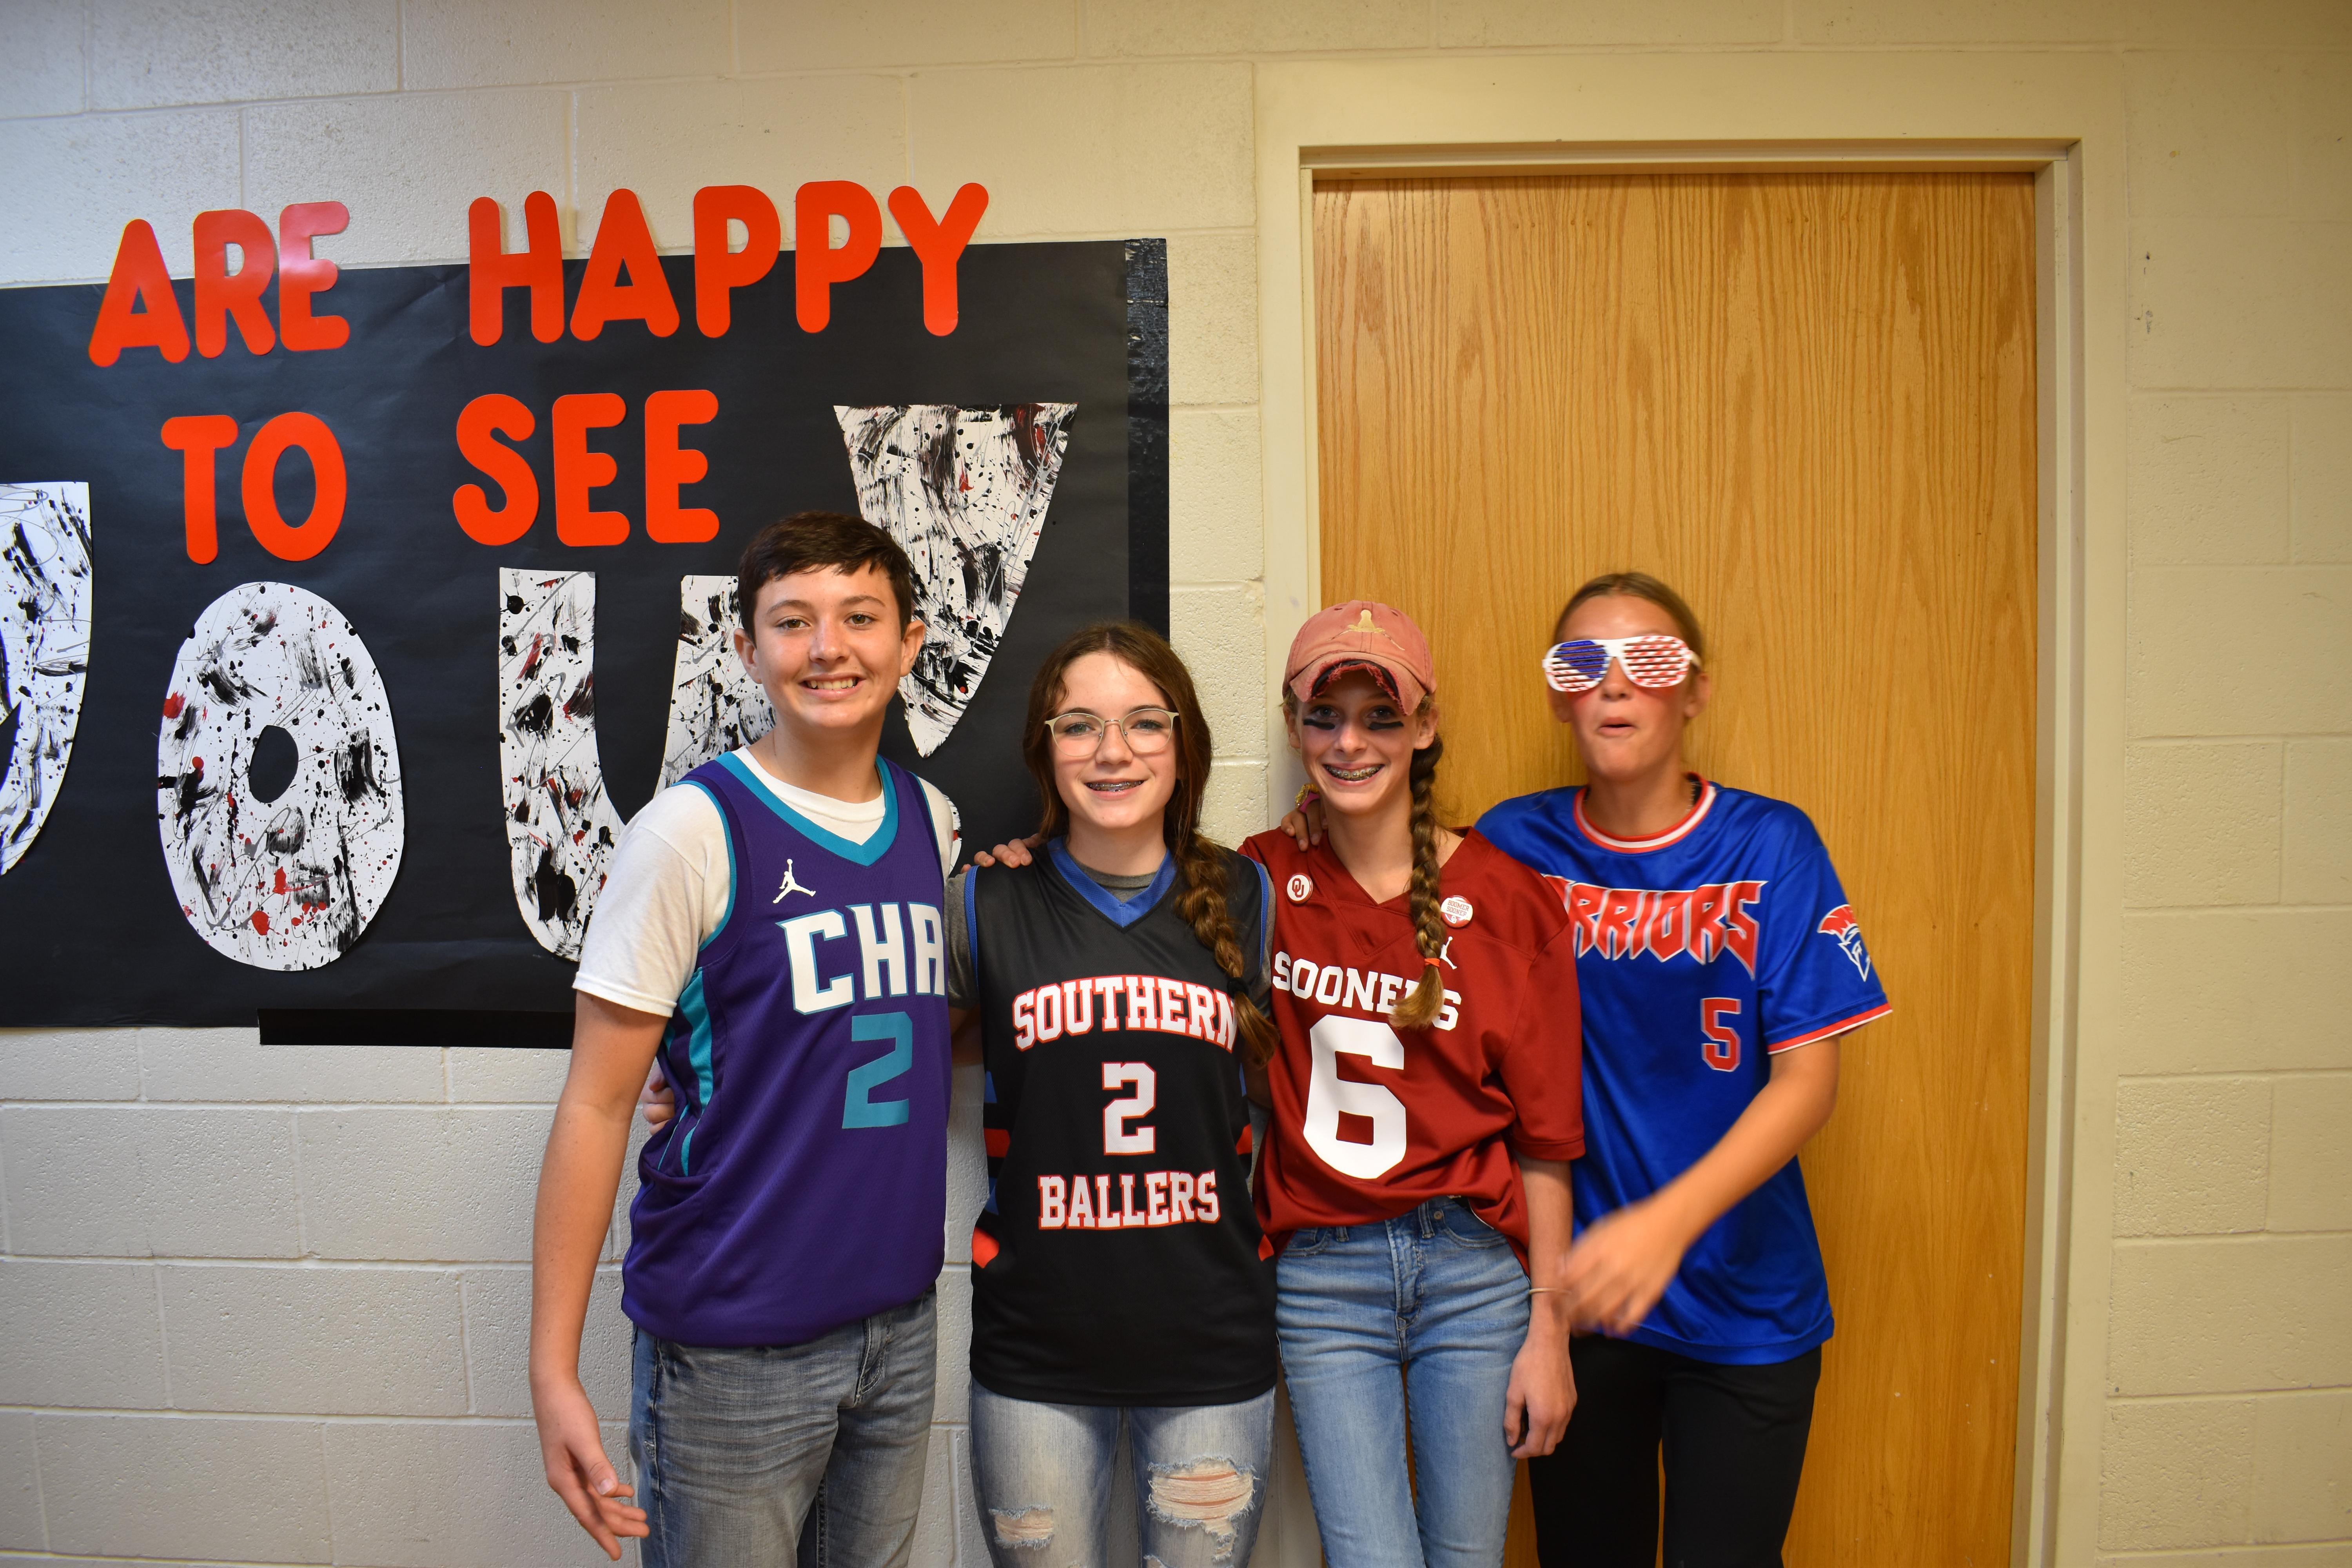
1116 1260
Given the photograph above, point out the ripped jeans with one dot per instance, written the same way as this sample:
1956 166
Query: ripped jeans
1043 1473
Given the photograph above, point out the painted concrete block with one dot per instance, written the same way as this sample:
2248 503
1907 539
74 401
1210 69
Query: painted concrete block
315 1340
1986 22
234 1065
2209 479
453 1185
2322 469
452 147
2201 823
220 1182
1167 146
145 53
430 1494
2337 1554
967 1161
2256 23
1240 27
80 1334
2303 1467
507 1076
951 1400
20 1484
498 1343
70 1064
934 1543
2255 302
41 58
74 1180
2271 653
2231 991
1212 319
2211 133
88 176
666 139
782 35
2319 826
1238 803
1216 515
1221 632
2322 136
491 43
971 1546
2192 1155
1498 24
214 1487
2176 1472
2228 1315
2311 1152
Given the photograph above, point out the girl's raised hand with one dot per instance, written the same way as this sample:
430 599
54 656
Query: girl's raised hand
658 1102
1017 853
1304 822
1620 1266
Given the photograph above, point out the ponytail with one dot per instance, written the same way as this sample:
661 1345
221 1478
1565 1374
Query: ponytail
1419 1008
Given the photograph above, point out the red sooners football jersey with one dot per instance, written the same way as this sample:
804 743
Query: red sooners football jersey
1368 1121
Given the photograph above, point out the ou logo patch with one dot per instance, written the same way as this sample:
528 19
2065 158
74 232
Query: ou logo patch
1299 888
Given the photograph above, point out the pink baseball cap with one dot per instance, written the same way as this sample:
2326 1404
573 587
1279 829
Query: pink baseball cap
1363 635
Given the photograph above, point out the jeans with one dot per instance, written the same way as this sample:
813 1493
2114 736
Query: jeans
1438 1295
1043 1473
756 1457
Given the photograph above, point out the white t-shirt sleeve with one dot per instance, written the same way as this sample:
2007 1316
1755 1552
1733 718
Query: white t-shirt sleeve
947 826
667 893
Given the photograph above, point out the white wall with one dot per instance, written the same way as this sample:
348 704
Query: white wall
267 1306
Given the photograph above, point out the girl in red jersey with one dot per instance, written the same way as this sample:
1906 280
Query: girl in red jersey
1425 1105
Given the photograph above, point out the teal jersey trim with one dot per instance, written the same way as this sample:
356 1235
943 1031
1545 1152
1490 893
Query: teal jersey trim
863 854
691 1006
732 881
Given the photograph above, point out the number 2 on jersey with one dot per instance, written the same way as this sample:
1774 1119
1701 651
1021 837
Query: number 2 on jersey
858 1106
1118 1137
1329 1095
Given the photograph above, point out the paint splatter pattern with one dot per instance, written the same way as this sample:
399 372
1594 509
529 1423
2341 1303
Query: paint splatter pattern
964 492
278 865
44 598
715 706
561 829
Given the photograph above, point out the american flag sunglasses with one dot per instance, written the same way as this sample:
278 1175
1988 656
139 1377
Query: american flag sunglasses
1653 661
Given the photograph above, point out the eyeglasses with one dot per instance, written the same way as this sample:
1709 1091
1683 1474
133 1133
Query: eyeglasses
1653 661
1147 731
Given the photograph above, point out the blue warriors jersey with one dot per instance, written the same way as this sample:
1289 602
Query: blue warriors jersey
1699 954
803 1184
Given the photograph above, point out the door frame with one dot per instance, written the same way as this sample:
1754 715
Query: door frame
2059 116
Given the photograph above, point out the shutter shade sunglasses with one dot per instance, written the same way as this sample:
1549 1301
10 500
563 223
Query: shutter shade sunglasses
1653 661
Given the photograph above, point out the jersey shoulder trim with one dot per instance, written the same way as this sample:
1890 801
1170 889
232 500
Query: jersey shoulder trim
1774 1048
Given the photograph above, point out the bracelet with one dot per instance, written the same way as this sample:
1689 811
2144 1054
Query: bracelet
1307 791
1553 1289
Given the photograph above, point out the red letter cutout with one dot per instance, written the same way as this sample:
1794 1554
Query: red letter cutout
579 471
197 436
816 266
491 269
623 240
483 421
286 542
668 465
301 275
716 270
222 296
139 276
939 242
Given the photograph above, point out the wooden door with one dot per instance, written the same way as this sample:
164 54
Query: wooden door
1807 401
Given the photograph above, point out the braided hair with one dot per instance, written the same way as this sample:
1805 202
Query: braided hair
1418 1008
1200 866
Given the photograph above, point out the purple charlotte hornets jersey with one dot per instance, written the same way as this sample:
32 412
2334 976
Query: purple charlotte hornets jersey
803 1184
1699 954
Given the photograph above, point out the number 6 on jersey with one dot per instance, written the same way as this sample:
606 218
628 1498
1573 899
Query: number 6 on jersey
1328 1096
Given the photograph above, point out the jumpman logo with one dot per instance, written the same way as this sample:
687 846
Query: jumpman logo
791 885
1445 954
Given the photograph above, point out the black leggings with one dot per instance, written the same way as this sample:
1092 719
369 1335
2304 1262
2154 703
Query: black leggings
1734 1446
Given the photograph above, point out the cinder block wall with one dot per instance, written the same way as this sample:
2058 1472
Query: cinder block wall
268 1306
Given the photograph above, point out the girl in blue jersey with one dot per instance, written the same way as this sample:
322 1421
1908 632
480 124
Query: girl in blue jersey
1718 963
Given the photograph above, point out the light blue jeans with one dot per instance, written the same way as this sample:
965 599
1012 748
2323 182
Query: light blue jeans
762 1455
1438 1297
1043 1473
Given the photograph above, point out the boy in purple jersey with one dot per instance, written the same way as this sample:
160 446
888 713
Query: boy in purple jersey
1718 962
771 928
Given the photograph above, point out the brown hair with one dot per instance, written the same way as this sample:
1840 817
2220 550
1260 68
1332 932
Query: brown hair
1198 863
1638 585
807 540
1418 1008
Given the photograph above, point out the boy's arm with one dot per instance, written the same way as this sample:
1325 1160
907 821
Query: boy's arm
612 1045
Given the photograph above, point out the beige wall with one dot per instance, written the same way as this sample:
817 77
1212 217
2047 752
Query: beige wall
266 1306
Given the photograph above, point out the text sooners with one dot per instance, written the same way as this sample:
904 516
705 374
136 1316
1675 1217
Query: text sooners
1170 1197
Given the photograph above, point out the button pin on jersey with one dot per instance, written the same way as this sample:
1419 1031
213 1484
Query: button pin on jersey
1455 911
1299 888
